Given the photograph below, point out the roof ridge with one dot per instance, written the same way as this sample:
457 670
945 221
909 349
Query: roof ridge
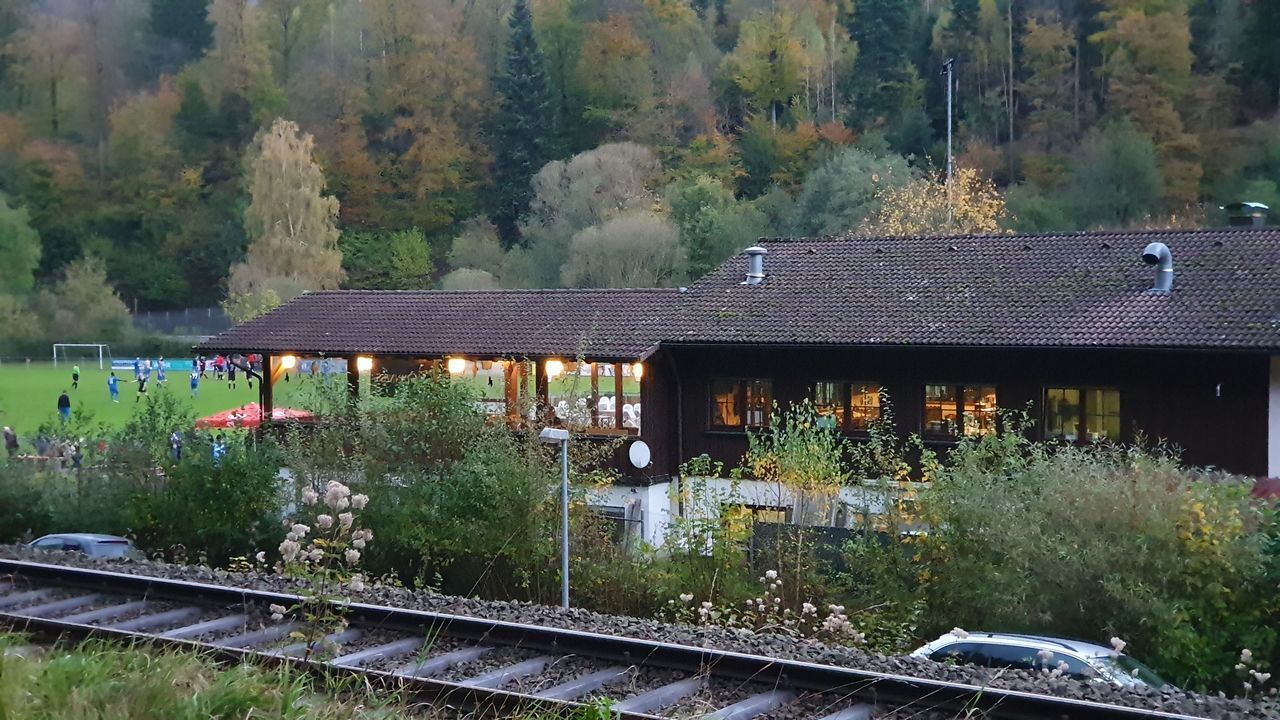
1076 234
488 291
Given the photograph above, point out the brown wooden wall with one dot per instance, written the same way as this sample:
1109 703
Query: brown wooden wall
1169 395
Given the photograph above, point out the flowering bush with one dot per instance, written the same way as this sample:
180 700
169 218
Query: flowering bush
768 613
326 555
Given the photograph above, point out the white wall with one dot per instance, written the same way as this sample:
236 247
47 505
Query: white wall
1273 420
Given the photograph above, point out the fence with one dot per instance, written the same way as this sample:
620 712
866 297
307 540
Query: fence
188 322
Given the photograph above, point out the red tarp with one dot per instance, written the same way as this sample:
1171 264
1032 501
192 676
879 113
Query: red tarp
249 416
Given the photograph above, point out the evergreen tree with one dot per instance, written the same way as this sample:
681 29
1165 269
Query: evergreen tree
182 30
522 137
882 77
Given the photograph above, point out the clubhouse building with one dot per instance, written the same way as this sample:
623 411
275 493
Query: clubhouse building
1169 335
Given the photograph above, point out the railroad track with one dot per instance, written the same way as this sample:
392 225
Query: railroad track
495 666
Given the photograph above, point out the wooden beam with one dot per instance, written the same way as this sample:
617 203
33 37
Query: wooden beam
269 374
353 380
595 394
542 388
617 398
511 391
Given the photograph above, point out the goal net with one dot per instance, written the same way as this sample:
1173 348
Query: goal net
82 352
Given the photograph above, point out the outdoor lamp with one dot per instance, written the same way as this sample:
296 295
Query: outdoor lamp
637 370
364 363
456 365
553 435
288 362
555 368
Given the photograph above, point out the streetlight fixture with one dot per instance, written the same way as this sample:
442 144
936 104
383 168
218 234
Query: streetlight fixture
551 436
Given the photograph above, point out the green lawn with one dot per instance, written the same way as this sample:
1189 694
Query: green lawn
29 393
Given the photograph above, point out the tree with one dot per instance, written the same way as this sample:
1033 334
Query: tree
970 206
615 73
1047 57
183 29
83 307
469 279
1147 65
634 250
477 247
291 223
590 189
713 224
19 248
883 79
47 56
768 64
523 130
239 54
380 260
846 190
288 24
1116 179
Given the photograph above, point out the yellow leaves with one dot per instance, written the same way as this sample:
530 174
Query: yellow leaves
970 205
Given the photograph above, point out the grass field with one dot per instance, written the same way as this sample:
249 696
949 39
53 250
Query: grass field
29 393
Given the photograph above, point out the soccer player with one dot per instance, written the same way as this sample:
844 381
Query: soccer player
75 377
113 387
195 384
160 378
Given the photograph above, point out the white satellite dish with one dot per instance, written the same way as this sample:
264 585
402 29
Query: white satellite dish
639 454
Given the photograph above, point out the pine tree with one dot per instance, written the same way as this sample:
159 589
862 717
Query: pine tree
522 137
882 77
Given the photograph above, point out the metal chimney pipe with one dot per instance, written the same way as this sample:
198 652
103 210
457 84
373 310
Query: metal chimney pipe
755 265
1158 254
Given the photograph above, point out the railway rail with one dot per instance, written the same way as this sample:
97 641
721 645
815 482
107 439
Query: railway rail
495 666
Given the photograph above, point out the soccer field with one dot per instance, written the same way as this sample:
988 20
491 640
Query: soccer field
29 394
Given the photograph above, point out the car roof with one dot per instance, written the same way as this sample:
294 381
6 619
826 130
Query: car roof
91 537
1087 649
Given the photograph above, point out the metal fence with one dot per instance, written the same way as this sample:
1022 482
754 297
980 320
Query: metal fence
188 322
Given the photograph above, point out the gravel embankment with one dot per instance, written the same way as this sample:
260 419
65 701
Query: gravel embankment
706 637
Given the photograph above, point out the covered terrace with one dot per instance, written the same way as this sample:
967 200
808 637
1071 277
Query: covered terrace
574 358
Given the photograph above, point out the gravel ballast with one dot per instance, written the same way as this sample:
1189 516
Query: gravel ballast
698 636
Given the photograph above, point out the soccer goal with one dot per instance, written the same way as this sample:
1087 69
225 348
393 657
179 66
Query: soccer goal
72 352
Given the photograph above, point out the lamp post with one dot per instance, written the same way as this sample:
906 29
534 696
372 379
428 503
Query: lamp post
552 435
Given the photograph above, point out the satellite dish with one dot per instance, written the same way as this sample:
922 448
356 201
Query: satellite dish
639 454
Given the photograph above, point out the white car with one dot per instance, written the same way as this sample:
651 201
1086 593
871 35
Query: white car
1037 653
91 544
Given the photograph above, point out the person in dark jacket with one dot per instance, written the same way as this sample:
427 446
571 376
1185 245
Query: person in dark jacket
10 441
64 406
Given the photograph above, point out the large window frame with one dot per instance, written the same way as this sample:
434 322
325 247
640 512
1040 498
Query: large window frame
972 418
850 406
751 398
1095 407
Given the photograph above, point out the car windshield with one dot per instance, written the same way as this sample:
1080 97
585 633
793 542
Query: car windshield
1131 672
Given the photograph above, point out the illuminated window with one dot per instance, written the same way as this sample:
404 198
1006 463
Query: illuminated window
864 405
1081 414
828 404
970 409
739 403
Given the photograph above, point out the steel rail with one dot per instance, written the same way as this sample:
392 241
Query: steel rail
878 688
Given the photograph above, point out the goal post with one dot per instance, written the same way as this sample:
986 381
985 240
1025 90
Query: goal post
102 350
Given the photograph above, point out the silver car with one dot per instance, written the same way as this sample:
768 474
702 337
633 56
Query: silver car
1038 653
91 544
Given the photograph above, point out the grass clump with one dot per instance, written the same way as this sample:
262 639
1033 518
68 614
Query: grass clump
101 680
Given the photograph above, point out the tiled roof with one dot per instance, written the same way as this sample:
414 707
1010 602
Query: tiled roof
602 324
1076 290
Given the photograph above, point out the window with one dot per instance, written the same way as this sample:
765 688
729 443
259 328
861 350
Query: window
828 404
864 405
849 406
1019 657
739 403
1082 414
970 409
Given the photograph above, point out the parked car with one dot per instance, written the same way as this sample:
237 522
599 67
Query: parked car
1034 652
91 544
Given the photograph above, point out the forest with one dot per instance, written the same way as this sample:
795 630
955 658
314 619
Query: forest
163 154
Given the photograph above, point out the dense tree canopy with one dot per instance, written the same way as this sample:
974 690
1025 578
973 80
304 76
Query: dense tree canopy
425 143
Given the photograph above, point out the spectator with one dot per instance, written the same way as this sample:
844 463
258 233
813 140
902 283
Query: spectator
219 450
75 377
77 455
175 445
64 406
10 441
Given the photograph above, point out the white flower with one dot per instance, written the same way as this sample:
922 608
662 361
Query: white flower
309 496
686 597
1261 677
300 530
808 608
1246 656
289 550
368 535
353 556
356 584
335 493
771 574
291 536
1045 655
358 543
261 557
324 522
706 605
345 520
1117 645
359 501
961 634
343 504
315 555
277 612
